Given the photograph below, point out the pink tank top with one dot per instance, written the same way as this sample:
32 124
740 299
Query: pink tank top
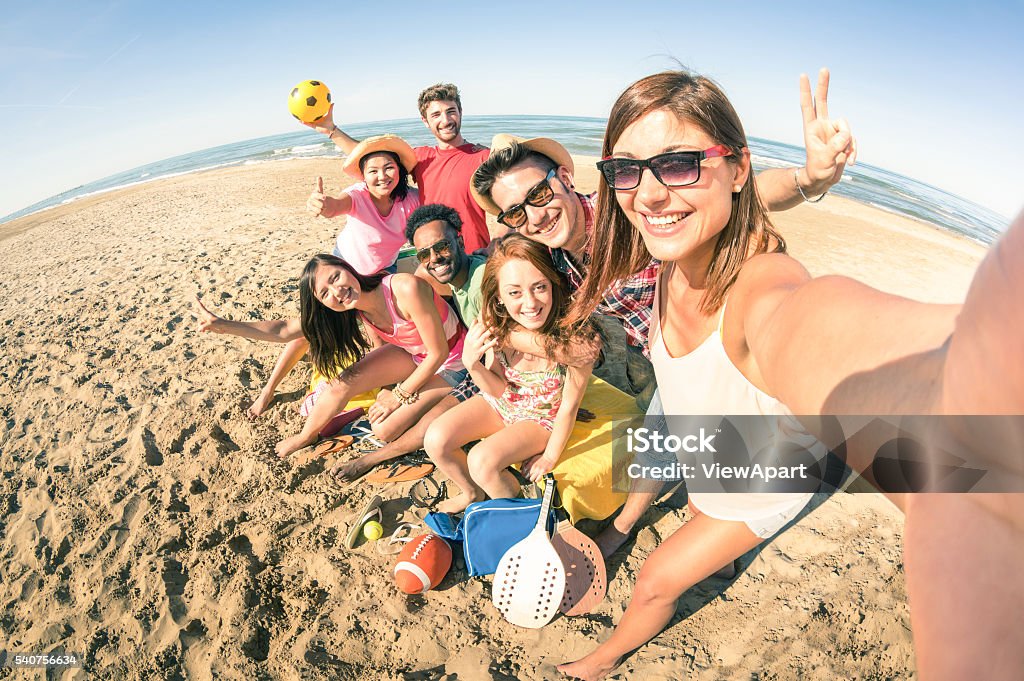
405 335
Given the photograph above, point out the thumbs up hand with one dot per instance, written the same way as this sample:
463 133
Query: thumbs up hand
316 202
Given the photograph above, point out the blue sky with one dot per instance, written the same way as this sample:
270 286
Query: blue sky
932 90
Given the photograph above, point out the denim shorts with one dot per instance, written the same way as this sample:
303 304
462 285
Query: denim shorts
453 377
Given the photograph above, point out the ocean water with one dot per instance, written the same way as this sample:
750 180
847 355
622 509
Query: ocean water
864 183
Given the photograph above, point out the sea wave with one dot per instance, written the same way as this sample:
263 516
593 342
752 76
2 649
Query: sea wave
125 185
865 183
302 149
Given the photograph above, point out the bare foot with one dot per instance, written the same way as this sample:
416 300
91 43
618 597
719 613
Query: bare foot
611 540
292 444
588 668
457 504
350 470
259 405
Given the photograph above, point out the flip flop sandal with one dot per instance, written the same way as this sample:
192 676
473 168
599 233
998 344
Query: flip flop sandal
335 444
322 449
421 496
371 510
403 469
399 538
368 444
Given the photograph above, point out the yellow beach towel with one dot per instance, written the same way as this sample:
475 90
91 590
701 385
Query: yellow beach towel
319 384
584 473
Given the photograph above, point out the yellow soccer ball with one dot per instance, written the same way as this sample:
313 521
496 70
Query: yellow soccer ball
309 101
373 531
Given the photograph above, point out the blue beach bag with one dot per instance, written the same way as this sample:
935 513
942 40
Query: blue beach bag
488 529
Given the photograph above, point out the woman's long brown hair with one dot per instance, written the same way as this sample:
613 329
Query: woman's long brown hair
335 338
618 249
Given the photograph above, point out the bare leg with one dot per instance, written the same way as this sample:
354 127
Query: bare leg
406 443
512 444
727 571
385 365
290 356
471 420
692 553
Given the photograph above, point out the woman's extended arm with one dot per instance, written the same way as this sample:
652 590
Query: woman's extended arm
833 345
491 378
415 301
271 331
321 205
963 552
573 388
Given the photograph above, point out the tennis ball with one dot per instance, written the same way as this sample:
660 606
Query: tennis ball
373 531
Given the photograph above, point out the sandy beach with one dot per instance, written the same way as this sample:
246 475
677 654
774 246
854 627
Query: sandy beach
146 524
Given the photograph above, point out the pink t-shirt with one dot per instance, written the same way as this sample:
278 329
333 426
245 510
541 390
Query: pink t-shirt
370 242
443 176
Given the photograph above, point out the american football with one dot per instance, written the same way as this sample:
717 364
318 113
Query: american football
422 564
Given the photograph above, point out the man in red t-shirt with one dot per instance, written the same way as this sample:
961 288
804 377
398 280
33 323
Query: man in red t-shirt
442 172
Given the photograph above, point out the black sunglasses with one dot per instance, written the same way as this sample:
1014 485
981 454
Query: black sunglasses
442 248
539 196
674 169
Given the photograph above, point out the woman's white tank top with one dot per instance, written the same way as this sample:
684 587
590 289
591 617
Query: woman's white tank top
705 381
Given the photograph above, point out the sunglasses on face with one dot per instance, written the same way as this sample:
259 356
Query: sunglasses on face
539 196
674 169
442 248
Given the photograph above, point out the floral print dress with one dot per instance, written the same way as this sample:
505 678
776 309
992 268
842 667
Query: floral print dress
529 395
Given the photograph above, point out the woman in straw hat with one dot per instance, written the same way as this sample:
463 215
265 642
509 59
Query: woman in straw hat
739 328
377 208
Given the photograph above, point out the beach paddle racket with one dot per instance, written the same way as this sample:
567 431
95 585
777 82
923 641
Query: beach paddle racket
586 578
530 580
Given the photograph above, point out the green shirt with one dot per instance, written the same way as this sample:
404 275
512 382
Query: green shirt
468 298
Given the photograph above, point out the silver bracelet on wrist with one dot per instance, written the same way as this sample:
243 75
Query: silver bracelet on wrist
796 180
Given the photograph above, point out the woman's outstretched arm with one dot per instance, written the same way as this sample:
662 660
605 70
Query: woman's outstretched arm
415 299
271 331
964 552
833 345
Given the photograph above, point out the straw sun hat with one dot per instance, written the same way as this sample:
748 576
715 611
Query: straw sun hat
542 145
370 145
